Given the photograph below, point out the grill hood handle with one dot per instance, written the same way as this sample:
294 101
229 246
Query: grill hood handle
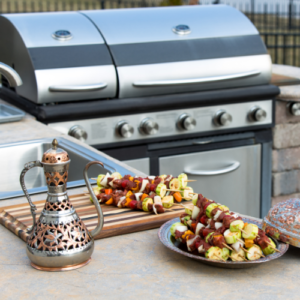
196 80
78 88
11 75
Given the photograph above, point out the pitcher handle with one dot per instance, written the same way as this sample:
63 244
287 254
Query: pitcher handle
99 226
27 167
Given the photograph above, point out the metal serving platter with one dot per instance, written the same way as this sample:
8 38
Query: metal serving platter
10 114
166 238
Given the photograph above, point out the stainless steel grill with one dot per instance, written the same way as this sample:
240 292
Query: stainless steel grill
154 87
132 52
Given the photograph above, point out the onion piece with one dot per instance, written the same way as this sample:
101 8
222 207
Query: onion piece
144 183
237 245
104 180
151 177
198 228
216 216
168 178
218 225
111 183
190 242
201 249
157 200
195 212
154 209
119 203
138 196
235 215
181 228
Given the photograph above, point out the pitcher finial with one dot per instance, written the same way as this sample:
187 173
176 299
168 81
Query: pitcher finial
54 144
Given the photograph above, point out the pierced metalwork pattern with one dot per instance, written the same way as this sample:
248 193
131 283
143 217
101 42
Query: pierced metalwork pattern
283 222
56 178
58 206
58 238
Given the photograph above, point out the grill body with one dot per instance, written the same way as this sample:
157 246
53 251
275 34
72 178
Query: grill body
120 54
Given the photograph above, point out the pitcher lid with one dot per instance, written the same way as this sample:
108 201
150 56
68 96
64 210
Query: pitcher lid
283 222
55 155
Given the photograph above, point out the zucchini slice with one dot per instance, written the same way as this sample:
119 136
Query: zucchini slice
174 184
237 255
186 193
214 253
270 248
236 225
177 226
167 201
146 201
99 178
254 253
116 175
182 180
231 237
161 190
251 231
210 208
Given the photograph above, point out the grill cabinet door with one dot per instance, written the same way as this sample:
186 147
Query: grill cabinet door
239 189
141 164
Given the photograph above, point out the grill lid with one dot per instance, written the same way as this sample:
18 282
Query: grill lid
59 56
181 49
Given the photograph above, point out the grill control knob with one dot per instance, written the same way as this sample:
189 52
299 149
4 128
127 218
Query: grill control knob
222 118
186 122
295 108
124 129
257 114
78 132
149 127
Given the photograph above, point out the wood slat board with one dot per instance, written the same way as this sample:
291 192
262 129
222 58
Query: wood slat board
117 221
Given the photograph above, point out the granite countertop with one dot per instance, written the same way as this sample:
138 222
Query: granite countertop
290 92
133 266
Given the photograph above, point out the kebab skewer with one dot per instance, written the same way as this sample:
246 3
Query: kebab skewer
214 223
148 194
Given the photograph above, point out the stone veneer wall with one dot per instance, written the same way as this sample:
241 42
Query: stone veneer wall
286 140
286 154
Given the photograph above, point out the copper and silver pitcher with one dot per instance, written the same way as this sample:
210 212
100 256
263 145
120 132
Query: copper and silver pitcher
59 240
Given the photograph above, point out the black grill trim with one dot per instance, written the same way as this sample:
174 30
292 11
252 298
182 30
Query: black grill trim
187 50
114 107
69 56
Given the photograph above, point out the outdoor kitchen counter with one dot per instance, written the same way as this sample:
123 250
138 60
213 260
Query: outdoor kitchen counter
138 266
133 266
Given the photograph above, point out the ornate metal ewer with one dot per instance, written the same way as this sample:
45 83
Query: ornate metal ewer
59 240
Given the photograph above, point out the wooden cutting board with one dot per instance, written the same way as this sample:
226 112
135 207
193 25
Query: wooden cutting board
117 221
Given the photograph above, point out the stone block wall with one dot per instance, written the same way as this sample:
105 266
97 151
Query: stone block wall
286 154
